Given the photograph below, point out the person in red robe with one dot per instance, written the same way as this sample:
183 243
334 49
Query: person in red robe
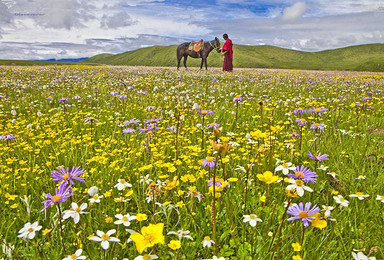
228 54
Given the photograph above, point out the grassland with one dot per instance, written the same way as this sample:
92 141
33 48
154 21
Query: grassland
368 57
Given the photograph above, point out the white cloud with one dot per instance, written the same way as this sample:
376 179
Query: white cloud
294 12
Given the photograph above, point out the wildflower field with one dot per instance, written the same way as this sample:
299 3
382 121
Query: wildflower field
153 163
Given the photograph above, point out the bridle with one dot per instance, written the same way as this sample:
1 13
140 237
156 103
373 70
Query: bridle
214 45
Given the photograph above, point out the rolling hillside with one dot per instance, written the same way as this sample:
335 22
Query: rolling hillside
369 57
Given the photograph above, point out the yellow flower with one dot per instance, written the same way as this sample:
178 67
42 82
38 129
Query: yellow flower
233 179
141 217
291 193
180 204
150 235
318 222
262 198
171 184
46 231
296 247
267 177
297 257
108 220
174 244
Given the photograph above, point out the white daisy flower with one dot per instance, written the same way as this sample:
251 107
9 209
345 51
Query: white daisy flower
340 200
75 256
252 219
28 231
124 219
359 195
299 186
121 184
105 238
285 168
75 211
207 242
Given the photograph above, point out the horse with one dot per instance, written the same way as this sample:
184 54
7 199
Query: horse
183 51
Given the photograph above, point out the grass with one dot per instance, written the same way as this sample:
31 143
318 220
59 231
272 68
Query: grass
368 57
81 116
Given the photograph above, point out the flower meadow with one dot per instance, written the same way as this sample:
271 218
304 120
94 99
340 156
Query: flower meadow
153 163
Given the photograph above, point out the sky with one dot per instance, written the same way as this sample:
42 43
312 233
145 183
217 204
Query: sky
60 29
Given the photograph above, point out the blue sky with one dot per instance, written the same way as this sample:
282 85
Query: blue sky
44 29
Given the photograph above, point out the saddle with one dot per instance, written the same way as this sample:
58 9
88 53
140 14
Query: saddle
196 46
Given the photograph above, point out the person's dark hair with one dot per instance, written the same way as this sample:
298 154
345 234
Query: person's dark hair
225 36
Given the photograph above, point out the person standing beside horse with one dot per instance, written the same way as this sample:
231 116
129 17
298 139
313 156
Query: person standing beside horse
227 51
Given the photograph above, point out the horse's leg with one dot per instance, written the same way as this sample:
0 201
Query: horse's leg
202 62
178 62
206 66
185 61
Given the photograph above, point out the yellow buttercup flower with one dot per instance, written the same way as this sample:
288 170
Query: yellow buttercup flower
174 244
318 222
296 247
268 177
150 236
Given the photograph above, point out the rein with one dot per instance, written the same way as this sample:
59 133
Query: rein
210 43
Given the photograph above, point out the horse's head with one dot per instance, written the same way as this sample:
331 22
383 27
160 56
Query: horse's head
216 45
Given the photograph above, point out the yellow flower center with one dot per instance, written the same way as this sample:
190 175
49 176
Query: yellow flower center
203 112
359 194
299 182
317 109
207 238
125 218
285 165
317 124
209 159
30 230
122 180
342 199
104 237
56 198
95 197
150 238
78 209
302 120
73 256
5 133
67 176
146 257
299 175
303 214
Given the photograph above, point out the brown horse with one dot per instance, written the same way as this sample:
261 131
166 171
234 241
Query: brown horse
183 51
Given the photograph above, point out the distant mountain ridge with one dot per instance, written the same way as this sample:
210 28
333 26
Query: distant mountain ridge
368 57
67 60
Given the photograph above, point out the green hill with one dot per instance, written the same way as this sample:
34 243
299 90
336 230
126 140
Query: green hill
369 57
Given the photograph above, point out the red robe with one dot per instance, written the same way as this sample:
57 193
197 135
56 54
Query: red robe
227 65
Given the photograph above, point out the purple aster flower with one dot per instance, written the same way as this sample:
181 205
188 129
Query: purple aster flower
213 125
66 176
90 119
304 174
63 99
319 157
153 120
152 126
7 137
77 97
303 213
210 162
142 130
143 93
132 121
128 130
205 112
49 98
238 98
315 126
114 93
318 110
123 97
294 134
301 121
299 111
61 194
150 108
